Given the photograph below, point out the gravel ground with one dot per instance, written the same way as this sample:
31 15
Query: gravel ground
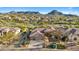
74 48
35 47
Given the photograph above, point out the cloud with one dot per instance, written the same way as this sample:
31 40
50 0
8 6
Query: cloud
70 8
71 12
75 12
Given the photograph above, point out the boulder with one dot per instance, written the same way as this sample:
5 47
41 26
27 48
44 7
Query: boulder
36 44
36 36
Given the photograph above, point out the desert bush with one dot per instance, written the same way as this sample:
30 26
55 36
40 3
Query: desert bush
57 46
77 43
53 45
77 26
8 37
60 46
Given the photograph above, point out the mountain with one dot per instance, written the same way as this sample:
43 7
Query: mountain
55 12
71 15
25 12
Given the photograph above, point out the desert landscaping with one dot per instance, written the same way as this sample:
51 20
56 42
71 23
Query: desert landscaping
34 31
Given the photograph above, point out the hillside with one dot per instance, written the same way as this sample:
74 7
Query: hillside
36 19
23 20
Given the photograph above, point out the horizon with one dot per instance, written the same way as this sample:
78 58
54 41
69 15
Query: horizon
42 10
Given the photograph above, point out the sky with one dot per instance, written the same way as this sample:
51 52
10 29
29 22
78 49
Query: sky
43 10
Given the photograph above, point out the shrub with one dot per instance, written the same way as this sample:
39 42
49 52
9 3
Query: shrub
8 37
77 26
53 45
77 43
60 46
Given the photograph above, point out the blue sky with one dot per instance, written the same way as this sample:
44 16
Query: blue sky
44 10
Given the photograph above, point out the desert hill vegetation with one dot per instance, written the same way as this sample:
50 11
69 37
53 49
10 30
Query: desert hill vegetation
32 20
